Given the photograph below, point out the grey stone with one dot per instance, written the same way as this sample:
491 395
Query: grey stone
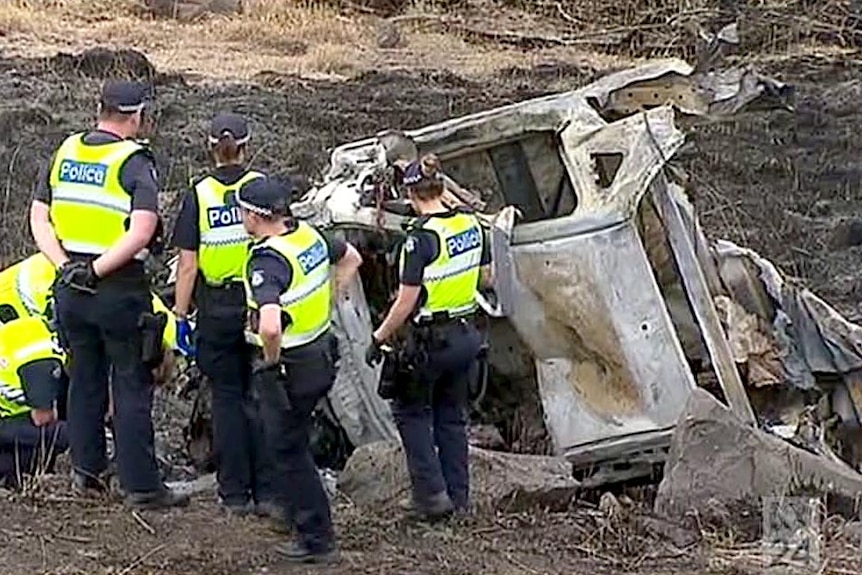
376 477
718 466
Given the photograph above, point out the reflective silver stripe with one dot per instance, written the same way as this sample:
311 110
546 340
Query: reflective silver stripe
73 195
12 393
234 234
28 351
24 289
313 283
94 249
454 267
289 341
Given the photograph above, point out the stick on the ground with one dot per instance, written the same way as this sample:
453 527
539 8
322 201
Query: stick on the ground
143 523
143 558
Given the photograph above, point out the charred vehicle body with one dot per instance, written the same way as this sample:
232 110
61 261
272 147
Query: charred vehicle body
610 304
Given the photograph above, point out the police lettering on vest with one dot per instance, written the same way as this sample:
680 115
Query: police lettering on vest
464 242
223 216
72 172
313 256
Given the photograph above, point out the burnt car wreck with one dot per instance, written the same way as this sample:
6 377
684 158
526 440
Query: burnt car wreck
611 306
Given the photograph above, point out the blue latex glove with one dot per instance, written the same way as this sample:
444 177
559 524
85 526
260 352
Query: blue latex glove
184 338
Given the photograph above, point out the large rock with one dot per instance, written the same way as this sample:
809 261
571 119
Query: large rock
376 477
719 467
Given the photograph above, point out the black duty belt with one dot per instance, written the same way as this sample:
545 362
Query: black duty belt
225 286
443 319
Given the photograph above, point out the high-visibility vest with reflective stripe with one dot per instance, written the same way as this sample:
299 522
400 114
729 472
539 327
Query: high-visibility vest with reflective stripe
307 298
89 207
21 342
451 280
26 285
169 340
223 239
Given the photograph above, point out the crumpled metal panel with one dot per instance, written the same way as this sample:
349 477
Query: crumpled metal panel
582 294
363 415
609 363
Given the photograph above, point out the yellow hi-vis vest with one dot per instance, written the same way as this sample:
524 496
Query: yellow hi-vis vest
22 341
307 298
169 340
451 280
89 207
26 285
223 239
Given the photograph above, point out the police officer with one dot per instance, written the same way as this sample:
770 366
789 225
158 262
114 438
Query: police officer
212 250
442 260
287 280
25 288
95 216
33 386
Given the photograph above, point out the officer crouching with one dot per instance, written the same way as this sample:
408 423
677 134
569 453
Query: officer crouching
33 388
443 258
95 216
287 282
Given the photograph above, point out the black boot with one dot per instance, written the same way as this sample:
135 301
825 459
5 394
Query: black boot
297 552
162 499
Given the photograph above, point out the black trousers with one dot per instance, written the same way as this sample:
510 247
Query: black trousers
244 469
287 402
101 331
25 448
431 416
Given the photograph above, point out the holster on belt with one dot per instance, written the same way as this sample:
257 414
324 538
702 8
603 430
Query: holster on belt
396 373
479 383
152 326
400 376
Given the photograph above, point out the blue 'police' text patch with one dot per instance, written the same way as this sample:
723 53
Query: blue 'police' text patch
463 242
72 172
313 256
224 216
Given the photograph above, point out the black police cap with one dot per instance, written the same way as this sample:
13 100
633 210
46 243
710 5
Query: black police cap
124 97
265 196
234 124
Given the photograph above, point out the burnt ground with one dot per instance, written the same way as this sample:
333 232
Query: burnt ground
53 533
787 185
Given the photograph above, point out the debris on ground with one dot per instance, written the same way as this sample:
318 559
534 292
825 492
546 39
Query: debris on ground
376 477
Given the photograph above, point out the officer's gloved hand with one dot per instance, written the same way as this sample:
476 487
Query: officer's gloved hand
374 353
79 276
184 338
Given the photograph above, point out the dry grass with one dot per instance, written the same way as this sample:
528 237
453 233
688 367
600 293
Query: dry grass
304 37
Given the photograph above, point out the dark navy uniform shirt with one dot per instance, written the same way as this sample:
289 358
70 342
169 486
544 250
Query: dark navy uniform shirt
277 273
138 175
187 229
421 247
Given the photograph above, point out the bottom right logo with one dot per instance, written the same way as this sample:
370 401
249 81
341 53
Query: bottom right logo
792 530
